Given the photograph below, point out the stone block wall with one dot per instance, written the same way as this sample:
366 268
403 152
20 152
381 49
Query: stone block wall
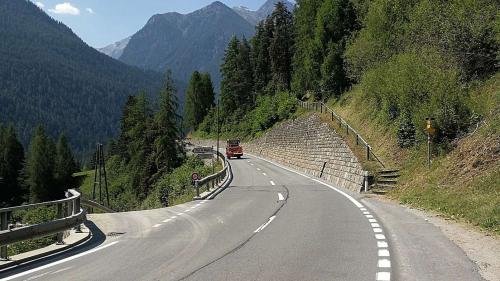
307 144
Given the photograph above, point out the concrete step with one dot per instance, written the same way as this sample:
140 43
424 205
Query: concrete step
385 186
388 171
389 176
387 181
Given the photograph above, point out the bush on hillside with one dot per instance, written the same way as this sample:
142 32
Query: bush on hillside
420 83
176 187
269 110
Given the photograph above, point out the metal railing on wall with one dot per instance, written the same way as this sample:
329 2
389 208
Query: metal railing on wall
349 130
69 215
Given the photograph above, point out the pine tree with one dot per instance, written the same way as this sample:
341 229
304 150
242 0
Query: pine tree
64 165
141 146
260 56
193 108
208 95
126 123
406 132
281 47
335 21
167 152
11 164
307 55
245 75
229 83
39 170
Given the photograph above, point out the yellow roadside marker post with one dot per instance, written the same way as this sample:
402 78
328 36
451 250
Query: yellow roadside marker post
430 131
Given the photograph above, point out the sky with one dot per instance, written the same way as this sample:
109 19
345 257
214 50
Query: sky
102 22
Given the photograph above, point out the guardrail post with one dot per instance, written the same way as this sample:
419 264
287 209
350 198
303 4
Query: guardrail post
367 152
3 226
366 176
321 107
76 210
60 215
197 186
357 139
332 116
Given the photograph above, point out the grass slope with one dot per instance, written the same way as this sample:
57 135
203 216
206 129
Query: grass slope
463 184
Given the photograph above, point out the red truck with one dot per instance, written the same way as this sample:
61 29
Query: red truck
233 149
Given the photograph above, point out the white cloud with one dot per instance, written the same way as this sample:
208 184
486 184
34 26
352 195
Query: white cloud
65 9
90 10
40 5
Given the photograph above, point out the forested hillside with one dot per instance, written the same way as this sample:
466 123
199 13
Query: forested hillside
50 76
386 66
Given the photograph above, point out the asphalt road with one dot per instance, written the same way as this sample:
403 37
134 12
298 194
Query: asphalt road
270 224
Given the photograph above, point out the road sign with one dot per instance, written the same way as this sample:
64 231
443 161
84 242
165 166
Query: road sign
429 129
204 152
195 176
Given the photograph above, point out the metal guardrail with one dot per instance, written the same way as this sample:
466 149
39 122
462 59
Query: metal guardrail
323 108
96 205
215 179
69 215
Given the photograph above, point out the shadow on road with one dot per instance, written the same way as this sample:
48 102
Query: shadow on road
98 238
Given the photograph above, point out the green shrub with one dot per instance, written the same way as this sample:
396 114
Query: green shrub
269 110
421 83
176 187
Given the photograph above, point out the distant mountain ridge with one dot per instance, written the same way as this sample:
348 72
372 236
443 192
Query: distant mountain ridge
194 41
50 76
263 12
115 50
185 43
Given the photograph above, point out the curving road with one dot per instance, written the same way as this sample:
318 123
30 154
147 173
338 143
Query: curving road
270 224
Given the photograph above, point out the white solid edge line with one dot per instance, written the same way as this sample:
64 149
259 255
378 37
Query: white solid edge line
354 201
59 261
382 244
381 276
385 263
383 253
280 197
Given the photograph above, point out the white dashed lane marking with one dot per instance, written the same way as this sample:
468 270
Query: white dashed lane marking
272 183
157 225
384 262
280 197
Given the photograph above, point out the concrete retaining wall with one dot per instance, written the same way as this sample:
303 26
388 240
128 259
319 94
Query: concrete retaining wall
306 144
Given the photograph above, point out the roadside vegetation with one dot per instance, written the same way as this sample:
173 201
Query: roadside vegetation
384 66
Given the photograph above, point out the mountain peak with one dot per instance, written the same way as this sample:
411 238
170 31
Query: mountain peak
268 7
253 17
217 5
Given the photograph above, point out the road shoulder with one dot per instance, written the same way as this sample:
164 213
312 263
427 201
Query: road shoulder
481 248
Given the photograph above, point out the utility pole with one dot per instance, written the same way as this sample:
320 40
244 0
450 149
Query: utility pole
100 174
218 124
